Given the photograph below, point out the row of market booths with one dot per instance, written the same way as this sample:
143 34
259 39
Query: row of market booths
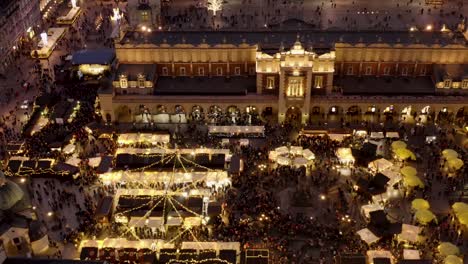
148 251
128 158
236 131
340 134
161 210
43 168
376 257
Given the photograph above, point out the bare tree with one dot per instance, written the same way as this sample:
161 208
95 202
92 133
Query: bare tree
215 5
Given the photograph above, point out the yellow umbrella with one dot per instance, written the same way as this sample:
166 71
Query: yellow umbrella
408 171
413 181
398 144
404 154
449 153
420 204
452 259
454 163
424 216
463 218
447 248
460 207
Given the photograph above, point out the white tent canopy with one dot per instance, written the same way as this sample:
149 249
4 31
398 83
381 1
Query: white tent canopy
380 165
307 153
192 221
368 236
392 135
367 209
94 162
174 221
68 149
372 254
236 129
393 174
377 135
411 254
283 160
210 177
345 155
133 138
282 150
300 161
409 233
212 246
296 150
74 161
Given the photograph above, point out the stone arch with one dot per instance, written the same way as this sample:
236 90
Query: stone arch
179 109
294 115
233 114
197 113
335 110
353 110
123 114
316 110
161 109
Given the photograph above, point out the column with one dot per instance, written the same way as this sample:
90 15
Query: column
306 106
378 69
329 84
281 99
259 83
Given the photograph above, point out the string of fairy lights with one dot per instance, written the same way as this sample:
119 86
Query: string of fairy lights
167 196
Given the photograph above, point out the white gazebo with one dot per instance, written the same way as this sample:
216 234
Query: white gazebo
409 233
380 165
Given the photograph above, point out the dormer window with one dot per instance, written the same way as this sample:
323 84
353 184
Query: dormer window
141 80
464 84
447 83
123 81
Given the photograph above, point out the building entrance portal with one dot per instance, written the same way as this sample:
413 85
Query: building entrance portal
293 115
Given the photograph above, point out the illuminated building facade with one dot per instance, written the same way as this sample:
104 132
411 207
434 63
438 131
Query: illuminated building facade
19 21
289 75
144 13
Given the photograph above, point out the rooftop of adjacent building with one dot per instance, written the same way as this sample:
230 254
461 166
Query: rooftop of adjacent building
288 32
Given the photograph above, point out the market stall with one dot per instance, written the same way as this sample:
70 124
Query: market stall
345 156
380 165
409 233
367 236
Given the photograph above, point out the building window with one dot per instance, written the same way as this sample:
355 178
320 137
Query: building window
182 71
386 71
270 82
219 71
141 81
368 70
201 71
144 15
295 87
447 83
404 71
350 70
237 71
123 82
165 71
464 84
318 83
423 71
252 71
